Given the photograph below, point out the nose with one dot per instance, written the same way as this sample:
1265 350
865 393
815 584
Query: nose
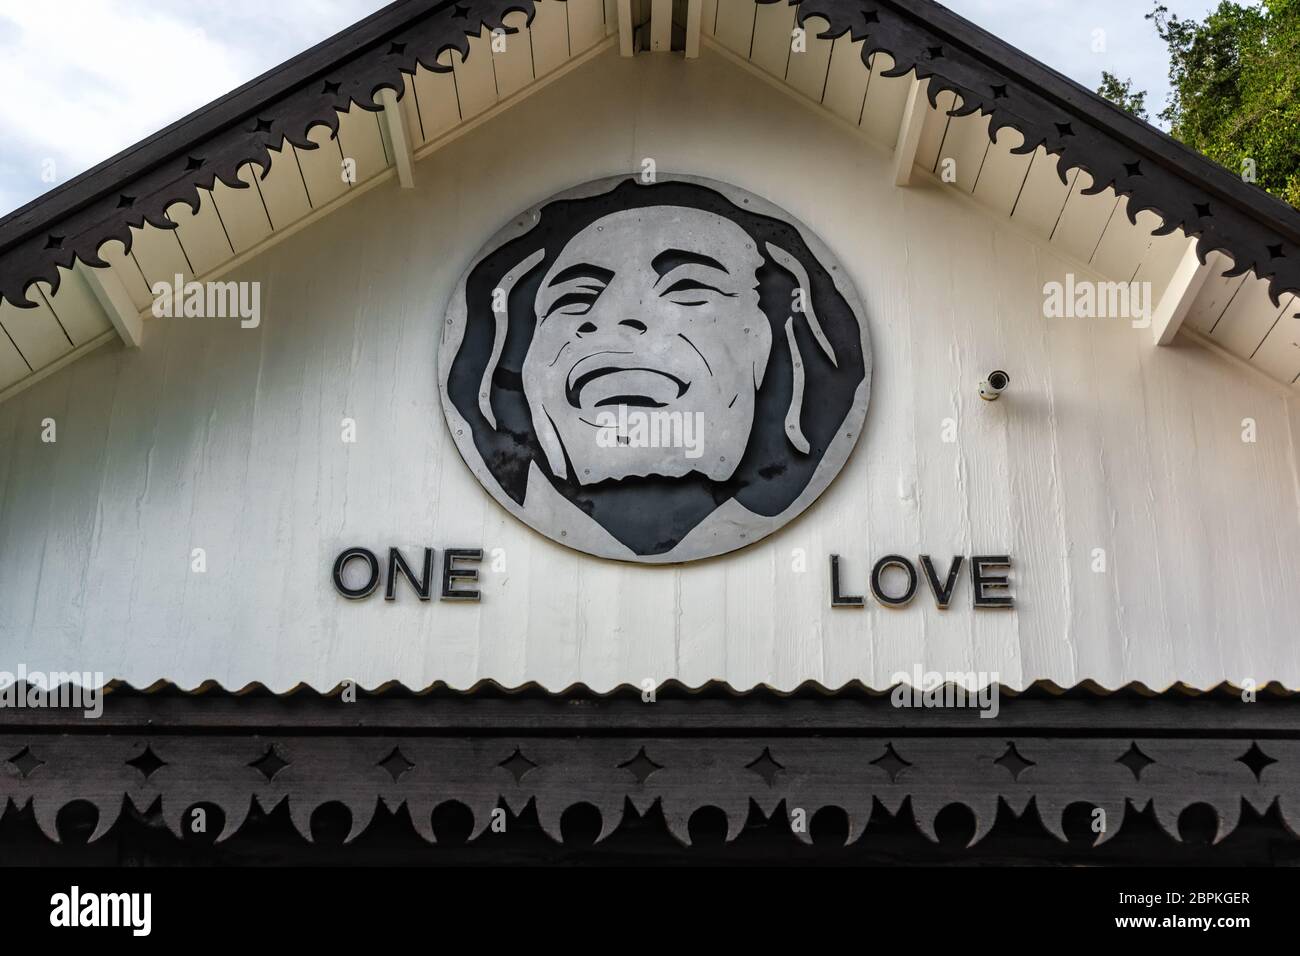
591 328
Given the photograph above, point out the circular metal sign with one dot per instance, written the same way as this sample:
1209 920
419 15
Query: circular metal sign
655 372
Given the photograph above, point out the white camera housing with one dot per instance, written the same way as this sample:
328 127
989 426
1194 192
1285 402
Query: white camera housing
993 386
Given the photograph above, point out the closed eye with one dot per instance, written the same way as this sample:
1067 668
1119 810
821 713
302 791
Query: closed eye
694 285
574 303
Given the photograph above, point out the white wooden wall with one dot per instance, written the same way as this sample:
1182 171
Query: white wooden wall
226 439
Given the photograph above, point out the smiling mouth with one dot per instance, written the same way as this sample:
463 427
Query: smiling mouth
634 387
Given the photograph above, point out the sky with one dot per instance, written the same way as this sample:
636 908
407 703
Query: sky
86 78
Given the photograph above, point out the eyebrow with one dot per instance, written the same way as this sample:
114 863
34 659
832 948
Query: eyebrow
670 259
583 270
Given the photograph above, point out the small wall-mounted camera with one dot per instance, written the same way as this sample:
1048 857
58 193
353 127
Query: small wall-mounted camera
993 386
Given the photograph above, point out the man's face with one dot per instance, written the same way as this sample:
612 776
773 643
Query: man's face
656 311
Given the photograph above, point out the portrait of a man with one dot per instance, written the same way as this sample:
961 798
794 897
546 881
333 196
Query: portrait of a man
655 372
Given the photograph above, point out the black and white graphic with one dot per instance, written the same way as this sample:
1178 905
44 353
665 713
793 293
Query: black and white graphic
655 372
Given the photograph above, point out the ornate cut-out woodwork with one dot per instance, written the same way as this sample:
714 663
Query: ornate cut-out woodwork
169 752
1183 188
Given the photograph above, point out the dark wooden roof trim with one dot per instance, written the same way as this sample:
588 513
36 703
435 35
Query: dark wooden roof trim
246 126
1084 131
175 751
1184 188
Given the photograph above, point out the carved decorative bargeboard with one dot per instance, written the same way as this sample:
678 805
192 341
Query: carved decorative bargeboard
793 755
1185 189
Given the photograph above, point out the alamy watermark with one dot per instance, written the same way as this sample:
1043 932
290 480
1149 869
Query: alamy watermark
208 300
926 689
133 911
635 428
57 689
1085 299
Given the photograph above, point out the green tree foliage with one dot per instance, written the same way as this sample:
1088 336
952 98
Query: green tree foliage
1235 82
1120 92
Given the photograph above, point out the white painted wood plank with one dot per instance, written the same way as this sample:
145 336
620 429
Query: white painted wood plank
770 50
1249 319
1043 197
734 27
935 129
159 255
550 36
242 211
201 234
439 107
1002 176
73 473
397 138
13 366
513 66
114 302
588 22
1084 219
322 167
1077 461
75 306
846 81
1123 245
885 100
965 144
1180 294
409 108
1279 354
985 468
360 139
694 13
709 17
661 26
36 331
1037 500
1214 298
626 28
807 70
1160 261
26 509
128 271
476 84
283 189
910 132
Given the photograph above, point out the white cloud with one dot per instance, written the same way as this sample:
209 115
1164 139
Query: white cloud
85 79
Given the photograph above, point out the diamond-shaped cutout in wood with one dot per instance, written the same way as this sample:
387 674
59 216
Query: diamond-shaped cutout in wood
891 763
1014 763
1135 760
396 764
269 764
518 765
765 766
148 762
1256 759
641 766
26 762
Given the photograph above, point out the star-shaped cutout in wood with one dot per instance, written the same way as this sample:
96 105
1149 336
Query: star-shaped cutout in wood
641 766
891 763
269 764
1135 760
518 765
148 762
1013 762
395 763
1256 760
765 766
